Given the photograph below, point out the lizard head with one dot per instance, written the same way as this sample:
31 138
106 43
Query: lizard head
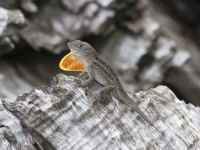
81 49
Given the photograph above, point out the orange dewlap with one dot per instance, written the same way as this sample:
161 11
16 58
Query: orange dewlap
71 63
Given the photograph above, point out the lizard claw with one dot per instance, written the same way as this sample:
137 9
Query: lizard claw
95 99
77 82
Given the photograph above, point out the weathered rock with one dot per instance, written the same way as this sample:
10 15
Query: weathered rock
29 6
142 61
51 30
6 45
61 116
10 23
184 80
13 19
11 84
12 135
8 3
26 5
75 6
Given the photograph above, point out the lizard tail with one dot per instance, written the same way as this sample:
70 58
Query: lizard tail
137 109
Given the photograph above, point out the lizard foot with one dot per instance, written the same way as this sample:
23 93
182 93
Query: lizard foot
77 82
95 99
83 75
98 99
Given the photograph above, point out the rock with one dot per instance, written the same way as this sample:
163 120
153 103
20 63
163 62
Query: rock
11 21
142 60
11 84
12 134
6 45
52 30
29 6
61 116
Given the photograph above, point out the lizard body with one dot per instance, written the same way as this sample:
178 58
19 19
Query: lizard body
100 71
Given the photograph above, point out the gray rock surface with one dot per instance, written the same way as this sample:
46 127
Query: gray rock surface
11 21
51 30
12 134
61 116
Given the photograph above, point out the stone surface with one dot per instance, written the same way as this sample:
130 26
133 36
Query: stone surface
12 134
52 30
11 21
141 61
61 116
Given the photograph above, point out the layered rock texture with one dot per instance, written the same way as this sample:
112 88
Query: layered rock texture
62 116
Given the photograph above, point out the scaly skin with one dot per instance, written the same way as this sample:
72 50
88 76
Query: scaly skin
100 71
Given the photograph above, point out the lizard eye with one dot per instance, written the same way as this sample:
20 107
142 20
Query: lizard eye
80 46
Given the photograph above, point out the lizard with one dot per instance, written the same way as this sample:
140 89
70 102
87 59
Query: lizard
98 70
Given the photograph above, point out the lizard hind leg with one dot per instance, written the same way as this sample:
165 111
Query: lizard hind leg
105 94
98 106
103 97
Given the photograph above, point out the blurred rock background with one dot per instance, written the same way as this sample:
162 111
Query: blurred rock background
148 43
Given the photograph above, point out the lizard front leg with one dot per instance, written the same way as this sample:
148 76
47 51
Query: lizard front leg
83 75
90 80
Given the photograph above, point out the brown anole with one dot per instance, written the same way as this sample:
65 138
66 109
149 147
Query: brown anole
83 57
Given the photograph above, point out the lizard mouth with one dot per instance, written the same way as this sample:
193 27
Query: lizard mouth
76 48
71 63
76 51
